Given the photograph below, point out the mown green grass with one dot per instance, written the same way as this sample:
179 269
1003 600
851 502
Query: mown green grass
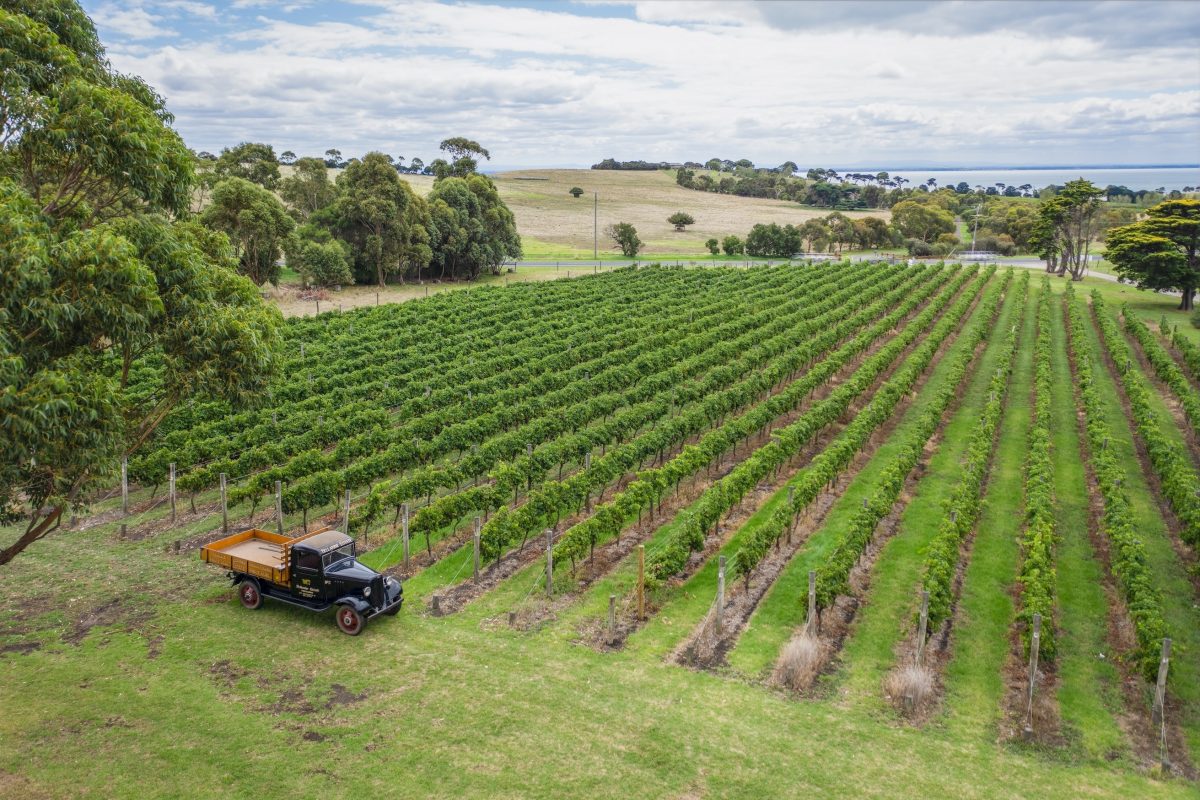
1089 690
890 605
973 678
243 704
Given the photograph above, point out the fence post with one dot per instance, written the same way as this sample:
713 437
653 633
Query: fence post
921 628
791 501
279 507
550 561
720 617
641 586
476 552
125 486
404 534
224 506
1160 688
1035 645
812 602
612 614
346 516
171 482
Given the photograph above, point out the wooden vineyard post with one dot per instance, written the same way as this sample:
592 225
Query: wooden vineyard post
587 464
224 505
811 622
612 614
404 532
550 561
125 486
719 618
922 625
279 507
1035 644
346 513
791 507
1158 711
476 551
641 587
171 489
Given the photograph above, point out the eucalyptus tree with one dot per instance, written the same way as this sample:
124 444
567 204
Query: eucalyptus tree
98 275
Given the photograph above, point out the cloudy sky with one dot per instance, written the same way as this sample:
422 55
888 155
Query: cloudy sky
849 84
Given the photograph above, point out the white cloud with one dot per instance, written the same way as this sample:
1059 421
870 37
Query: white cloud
134 22
681 80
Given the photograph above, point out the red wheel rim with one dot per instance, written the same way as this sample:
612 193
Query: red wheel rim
348 619
249 594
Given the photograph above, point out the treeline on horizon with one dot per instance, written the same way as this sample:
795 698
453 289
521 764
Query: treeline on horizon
847 191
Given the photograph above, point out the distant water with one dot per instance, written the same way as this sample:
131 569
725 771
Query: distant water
1134 178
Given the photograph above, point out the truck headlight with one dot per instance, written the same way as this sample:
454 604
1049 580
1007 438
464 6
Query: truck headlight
367 591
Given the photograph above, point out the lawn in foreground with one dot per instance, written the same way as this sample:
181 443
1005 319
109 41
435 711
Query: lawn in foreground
188 692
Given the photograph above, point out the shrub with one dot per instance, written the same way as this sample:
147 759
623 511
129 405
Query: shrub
681 219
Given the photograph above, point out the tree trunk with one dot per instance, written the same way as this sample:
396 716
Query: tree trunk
32 534
1185 302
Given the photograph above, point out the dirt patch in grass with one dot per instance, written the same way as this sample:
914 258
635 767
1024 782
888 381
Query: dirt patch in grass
341 696
114 612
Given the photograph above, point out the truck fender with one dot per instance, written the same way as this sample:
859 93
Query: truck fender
360 605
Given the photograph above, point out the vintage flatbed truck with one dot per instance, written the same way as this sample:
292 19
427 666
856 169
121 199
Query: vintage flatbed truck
316 571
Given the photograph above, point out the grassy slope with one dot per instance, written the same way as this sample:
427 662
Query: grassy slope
157 704
553 224
980 639
1180 609
887 612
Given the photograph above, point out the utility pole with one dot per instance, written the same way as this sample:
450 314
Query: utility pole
596 225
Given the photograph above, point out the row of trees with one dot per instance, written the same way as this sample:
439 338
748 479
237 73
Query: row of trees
333 159
366 227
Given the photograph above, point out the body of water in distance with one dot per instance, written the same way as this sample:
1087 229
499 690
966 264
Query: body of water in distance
1132 177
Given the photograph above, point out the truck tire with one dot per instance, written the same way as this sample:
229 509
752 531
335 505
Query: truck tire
349 621
250 594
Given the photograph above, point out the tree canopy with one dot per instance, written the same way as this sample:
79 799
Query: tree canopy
257 224
1065 227
308 189
1160 251
626 238
924 221
252 161
464 153
99 276
382 220
681 219
472 229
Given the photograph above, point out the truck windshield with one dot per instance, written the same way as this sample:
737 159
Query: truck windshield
341 554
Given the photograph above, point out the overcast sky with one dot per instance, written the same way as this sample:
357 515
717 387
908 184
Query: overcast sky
849 84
